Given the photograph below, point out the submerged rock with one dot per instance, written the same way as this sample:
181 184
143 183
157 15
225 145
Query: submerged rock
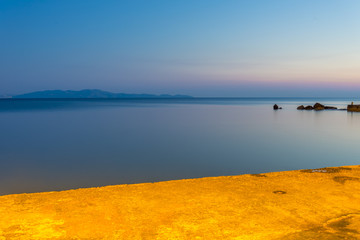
301 107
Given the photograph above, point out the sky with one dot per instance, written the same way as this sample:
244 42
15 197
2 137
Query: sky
204 48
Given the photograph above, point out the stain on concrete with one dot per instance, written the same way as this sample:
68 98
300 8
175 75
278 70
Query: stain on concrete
343 179
341 224
258 175
326 170
279 192
341 227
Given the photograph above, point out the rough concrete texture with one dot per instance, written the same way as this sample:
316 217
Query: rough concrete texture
353 108
306 204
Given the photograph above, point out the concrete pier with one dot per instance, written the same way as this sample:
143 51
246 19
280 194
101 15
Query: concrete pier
304 204
353 108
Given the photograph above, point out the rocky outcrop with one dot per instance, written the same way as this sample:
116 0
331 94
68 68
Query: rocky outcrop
318 106
301 107
276 107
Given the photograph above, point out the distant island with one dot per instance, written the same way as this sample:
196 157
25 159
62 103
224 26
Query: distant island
91 93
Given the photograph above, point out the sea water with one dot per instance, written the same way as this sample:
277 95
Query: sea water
55 144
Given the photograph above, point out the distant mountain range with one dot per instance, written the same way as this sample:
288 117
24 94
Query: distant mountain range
92 93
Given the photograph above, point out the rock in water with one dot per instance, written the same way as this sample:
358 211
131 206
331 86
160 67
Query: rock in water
330 107
318 106
301 107
308 107
275 107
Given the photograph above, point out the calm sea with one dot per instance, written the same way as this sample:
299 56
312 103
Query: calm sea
48 145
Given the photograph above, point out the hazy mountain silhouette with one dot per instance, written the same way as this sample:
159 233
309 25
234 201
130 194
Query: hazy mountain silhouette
91 93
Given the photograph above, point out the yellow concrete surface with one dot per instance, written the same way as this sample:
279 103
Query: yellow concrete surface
306 204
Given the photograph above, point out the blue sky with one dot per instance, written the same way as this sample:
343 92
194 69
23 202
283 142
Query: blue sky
198 47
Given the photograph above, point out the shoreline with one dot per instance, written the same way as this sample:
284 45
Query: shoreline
177 180
301 204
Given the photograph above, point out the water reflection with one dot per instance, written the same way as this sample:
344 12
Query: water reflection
353 119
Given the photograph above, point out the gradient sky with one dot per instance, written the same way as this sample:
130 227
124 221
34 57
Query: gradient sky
197 47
